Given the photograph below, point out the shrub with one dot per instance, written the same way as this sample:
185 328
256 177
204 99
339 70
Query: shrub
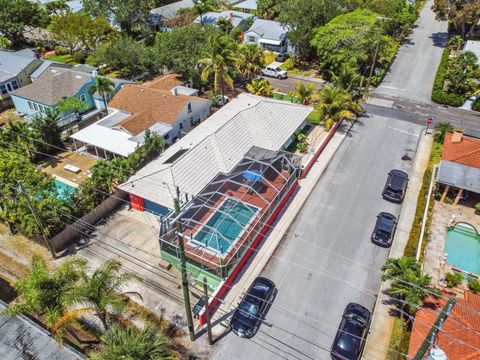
453 279
79 57
289 64
59 50
476 105
477 208
474 285
438 94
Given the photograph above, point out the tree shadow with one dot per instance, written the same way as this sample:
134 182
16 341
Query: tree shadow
439 39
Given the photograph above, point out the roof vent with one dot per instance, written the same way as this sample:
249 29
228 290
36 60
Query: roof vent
78 77
457 136
54 71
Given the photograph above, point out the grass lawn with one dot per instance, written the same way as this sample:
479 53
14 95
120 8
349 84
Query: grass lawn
269 57
67 59
314 117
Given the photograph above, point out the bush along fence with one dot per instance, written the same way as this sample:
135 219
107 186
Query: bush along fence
83 226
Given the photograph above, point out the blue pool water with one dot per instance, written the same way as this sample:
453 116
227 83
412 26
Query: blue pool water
64 190
463 248
225 225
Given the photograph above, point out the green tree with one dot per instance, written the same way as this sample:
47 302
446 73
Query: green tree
126 342
335 104
105 87
441 129
153 145
203 6
220 60
225 25
46 292
348 79
56 7
72 104
304 93
455 43
79 31
267 9
464 14
48 131
16 15
4 43
250 60
98 294
260 87
18 135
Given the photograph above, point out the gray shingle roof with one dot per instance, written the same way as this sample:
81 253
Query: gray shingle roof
11 64
268 29
21 338
54 85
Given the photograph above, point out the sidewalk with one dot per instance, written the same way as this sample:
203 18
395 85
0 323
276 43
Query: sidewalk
378 342
278 231
307 78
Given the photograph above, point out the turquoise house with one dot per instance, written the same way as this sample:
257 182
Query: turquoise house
55 85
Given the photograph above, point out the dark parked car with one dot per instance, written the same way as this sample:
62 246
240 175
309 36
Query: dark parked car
384 229
282 57
396 185
352 332
247 318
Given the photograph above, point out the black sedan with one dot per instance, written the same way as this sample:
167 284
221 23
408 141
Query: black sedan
352 333
396 186
250 312
384 229
282 57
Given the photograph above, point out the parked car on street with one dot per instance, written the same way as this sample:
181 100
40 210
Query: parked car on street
282 57
396 186
352 333
273 70
251 310
384 229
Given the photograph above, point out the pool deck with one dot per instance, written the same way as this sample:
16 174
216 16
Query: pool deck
434 263
55 167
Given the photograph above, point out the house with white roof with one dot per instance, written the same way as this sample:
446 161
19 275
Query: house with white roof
215 146
248 6
164 106
269 34
474 47
237 18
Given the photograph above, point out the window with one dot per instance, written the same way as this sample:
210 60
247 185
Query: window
166 136
181 126
251 39
9 87
30 105
15 84
83 98
3 89
35 106
189 107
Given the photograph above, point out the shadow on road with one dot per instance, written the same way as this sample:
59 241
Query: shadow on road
439 39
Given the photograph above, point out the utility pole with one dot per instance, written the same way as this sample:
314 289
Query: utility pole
183 269
435 329
207 310
37 220
373 65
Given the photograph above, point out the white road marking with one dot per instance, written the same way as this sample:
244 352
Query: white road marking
403 131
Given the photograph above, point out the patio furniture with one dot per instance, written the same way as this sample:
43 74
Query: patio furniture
72 168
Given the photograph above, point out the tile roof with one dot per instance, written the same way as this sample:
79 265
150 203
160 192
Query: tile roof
149 104
53 85
167 82
217 145
466 152
460 334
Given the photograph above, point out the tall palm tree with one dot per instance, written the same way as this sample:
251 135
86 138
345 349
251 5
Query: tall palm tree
250 60
203 6
127 342
104 86
99 294
304 93
260 87
441 129
220 60
336 104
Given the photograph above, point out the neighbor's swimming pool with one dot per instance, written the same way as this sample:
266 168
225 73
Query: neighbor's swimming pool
463 247
225 225
64 190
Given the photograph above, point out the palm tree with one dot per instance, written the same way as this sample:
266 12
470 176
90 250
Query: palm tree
250 60
99 293
260 87
104 86
44 292
219 59
395 267
127 342
225 25
203 6
455 43
336 104
441 129
346 78
304 93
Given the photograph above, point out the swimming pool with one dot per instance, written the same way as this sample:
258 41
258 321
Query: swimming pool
64 190
463 248
225 225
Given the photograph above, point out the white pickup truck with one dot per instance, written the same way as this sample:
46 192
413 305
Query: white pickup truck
273 70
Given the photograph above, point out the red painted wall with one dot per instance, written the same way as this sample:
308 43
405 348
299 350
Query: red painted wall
136 202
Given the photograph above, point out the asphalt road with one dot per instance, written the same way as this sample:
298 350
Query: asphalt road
411 75
339 216
288 85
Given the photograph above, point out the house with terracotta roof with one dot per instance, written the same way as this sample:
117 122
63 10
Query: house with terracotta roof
164 106
459 337
460 165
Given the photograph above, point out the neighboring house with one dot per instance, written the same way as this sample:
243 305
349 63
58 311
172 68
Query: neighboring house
473 46
169 11
15 71
248 6
54 85
271 35
237 18
460 165
21 338
164 106
459 338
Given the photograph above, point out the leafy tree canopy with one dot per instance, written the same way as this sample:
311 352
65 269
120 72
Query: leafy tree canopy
16 15
463 14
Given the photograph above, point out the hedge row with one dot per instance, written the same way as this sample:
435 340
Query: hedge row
438 94
476 105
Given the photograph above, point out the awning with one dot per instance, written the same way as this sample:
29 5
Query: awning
270 42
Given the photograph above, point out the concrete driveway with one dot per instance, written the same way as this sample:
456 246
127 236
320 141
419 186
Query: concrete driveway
336 221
